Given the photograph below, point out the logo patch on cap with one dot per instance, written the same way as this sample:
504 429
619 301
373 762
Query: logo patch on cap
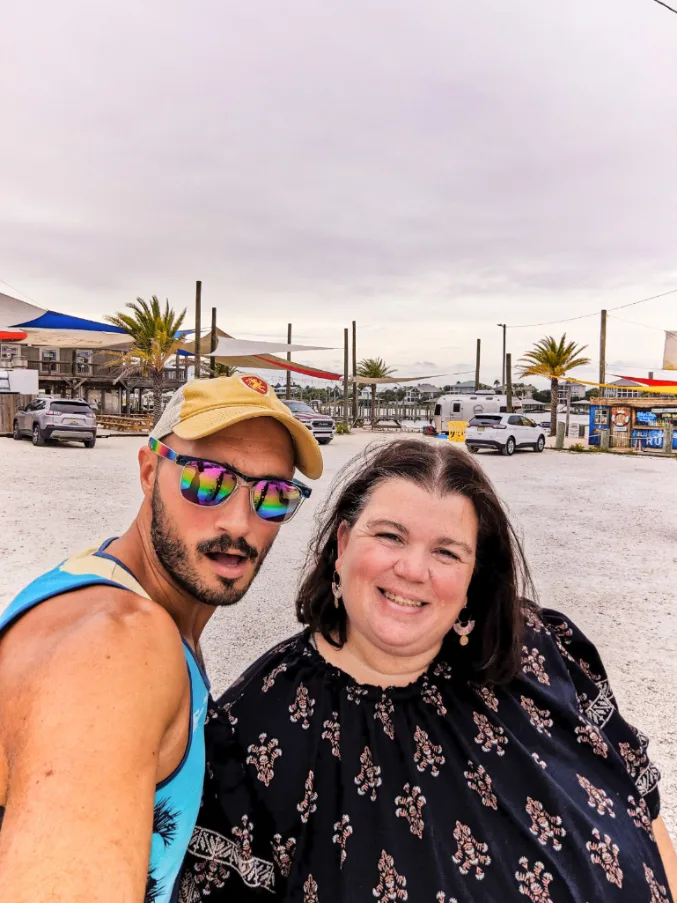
255 383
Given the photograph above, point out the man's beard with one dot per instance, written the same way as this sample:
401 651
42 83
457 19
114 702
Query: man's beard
173 556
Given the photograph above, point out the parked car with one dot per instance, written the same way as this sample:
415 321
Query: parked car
49 418
504 432
320 425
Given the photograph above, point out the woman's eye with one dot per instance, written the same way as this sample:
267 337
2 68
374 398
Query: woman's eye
392 536
446 553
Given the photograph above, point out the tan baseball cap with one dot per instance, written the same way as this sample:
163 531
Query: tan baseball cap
205 406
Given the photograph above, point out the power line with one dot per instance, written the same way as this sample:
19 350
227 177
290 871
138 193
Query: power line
666 6
596 313
643 300
19 291
552 322
645 325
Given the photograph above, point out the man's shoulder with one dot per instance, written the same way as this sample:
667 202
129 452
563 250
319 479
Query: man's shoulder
97 626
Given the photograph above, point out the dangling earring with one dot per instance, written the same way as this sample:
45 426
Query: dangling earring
336 588
464 628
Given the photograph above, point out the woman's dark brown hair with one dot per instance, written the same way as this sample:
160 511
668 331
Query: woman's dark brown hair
497 593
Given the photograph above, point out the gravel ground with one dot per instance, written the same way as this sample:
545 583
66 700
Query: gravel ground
600 533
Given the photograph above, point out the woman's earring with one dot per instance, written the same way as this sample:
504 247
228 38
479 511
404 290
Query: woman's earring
464 628
336 588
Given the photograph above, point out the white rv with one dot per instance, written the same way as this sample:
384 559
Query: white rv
464 407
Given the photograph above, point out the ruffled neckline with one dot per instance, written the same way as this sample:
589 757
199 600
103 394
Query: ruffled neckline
336 675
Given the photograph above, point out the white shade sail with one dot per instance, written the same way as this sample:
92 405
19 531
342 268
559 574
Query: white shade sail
670 353
228 347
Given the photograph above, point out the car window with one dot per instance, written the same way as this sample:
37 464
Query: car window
485 420
70 407
528 422
515 421
299 407
456 407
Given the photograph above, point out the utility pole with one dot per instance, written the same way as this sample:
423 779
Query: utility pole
355 409
346 359
288 392
504 327
602 353
508 384
212 346
477 364
198 326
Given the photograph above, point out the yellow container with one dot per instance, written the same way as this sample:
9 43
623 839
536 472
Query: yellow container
457 430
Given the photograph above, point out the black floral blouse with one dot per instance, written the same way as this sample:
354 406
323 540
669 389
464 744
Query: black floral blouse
322 790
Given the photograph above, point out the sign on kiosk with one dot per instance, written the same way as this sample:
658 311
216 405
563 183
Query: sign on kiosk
457 430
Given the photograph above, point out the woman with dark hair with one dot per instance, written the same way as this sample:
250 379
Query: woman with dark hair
432 735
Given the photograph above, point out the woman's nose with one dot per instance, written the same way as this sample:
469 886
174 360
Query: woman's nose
412 566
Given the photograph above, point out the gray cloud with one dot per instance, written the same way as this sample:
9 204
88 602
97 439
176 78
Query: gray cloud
428 169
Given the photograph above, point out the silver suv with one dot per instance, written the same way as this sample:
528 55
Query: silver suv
56 418
320 425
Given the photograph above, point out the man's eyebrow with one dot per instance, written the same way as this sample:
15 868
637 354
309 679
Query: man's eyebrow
442 540
246 476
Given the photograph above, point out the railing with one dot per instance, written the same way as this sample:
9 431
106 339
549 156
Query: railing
101 371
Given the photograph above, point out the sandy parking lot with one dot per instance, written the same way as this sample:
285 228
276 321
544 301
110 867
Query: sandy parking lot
600 534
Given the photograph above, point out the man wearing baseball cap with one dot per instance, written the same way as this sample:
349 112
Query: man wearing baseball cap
103 694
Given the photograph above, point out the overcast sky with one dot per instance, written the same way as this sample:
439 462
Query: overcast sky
427 168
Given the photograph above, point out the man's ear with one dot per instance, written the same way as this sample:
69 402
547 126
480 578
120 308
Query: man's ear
148 464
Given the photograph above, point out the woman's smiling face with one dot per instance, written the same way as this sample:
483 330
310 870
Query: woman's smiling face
406 566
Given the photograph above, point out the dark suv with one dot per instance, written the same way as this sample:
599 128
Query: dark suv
56 418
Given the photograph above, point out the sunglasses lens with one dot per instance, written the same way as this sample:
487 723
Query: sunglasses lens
276 501
206 484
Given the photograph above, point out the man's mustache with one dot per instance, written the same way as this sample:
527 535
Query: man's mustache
224 544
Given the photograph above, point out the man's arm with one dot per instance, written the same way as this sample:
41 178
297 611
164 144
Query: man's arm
83 738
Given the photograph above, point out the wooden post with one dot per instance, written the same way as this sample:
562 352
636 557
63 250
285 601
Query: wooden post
602 353
346 357
604 439
288 390
198 327
504 327
212 346
568 418
668 432
508 381
355 411
477 364
559 440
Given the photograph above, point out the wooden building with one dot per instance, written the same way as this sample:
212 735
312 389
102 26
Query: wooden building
90 374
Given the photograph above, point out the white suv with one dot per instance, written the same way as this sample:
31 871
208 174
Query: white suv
503 432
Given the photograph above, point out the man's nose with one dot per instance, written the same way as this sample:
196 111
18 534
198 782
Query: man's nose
235 515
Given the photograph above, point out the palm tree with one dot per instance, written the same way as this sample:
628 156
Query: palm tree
373 368
153 331
553 360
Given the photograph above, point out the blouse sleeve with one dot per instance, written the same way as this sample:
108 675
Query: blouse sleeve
598 703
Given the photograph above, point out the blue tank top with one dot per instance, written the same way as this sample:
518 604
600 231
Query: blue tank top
177 798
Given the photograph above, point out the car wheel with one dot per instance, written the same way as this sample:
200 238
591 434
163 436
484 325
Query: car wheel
16 432
90 443
38 436
540 445
509 447
473 449
323 441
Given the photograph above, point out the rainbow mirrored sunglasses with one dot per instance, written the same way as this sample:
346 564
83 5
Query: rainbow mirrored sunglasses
206 483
